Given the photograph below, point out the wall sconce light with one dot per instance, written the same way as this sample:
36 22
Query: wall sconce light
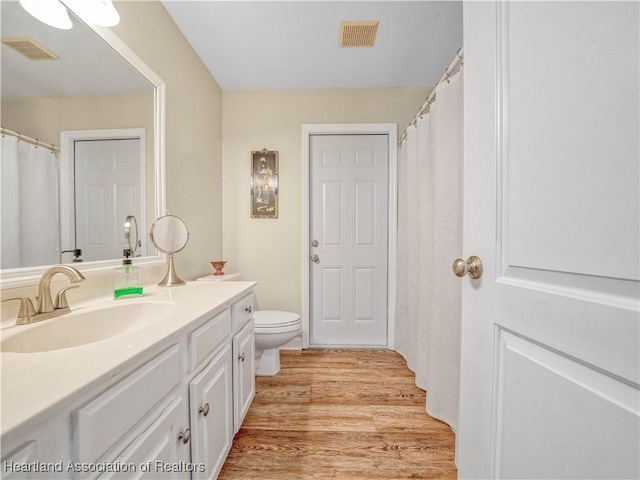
54 13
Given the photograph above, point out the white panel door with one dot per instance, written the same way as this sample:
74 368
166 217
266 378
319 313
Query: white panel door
107 190
550 332
348 218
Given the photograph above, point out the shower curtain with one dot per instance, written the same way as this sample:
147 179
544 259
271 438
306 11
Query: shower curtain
30 219
429 239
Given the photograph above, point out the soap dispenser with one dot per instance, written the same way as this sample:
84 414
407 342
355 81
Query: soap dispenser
127 280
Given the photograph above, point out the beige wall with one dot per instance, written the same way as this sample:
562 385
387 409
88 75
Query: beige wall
269 250
193 129
45 118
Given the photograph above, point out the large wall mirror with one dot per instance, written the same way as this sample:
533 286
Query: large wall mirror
103 108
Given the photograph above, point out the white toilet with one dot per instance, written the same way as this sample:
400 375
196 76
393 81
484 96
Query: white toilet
273 329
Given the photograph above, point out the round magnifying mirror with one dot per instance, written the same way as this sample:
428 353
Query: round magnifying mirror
170 235
131 234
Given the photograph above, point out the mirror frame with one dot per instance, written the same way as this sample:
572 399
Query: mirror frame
17 277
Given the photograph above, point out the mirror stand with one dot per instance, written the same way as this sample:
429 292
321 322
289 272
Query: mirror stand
171 279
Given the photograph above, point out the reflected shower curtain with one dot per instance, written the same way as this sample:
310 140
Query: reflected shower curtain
30 219
429 239
10 197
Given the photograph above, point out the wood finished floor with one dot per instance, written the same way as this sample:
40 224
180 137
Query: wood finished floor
341 414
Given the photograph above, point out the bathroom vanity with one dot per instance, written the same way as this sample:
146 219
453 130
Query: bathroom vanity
161 398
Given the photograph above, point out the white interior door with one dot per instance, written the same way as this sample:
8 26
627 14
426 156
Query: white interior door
107 189
348 233
550 332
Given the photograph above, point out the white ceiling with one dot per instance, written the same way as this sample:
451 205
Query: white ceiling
255 45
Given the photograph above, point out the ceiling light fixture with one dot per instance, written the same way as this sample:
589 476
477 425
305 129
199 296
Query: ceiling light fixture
98 12
51 12
54 13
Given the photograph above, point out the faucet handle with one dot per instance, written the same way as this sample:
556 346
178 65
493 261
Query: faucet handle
61 298
26 311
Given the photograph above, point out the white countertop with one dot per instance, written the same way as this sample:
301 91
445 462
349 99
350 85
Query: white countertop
227 277
36 385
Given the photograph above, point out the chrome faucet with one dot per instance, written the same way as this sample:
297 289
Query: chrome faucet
46 307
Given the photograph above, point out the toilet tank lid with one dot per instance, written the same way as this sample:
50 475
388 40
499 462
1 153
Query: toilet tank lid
273 318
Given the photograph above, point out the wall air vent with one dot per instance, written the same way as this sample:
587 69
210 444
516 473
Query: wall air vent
28 47
358 34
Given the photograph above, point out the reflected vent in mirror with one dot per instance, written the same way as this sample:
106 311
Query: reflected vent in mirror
30 48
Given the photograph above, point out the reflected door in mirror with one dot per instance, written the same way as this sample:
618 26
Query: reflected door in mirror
107 186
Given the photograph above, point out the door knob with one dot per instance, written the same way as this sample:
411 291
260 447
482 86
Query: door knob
204 410
472 266
315 258
314 243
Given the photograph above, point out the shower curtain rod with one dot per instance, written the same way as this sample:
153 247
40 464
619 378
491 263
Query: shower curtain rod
432 96
26 139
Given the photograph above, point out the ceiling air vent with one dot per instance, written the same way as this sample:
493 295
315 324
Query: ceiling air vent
358 34
29 48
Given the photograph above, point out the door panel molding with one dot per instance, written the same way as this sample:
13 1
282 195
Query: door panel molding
391 130
598 231
613 292
529 374
332 193
332 279
364 229
364 279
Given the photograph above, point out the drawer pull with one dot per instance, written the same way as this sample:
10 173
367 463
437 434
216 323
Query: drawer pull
204 410
249 309
241 357
185 436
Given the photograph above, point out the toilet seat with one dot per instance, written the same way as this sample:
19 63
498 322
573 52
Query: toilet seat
271 319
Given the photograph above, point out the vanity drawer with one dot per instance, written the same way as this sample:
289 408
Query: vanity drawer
204 340
241 311
104 421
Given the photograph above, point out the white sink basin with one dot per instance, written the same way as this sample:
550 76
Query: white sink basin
86 326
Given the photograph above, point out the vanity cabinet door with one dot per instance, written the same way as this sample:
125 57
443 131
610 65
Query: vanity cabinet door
244 379
160 450
102 425
211 412
27 453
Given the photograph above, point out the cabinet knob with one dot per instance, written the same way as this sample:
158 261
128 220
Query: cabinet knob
204 410
249 309
185 436
241 357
